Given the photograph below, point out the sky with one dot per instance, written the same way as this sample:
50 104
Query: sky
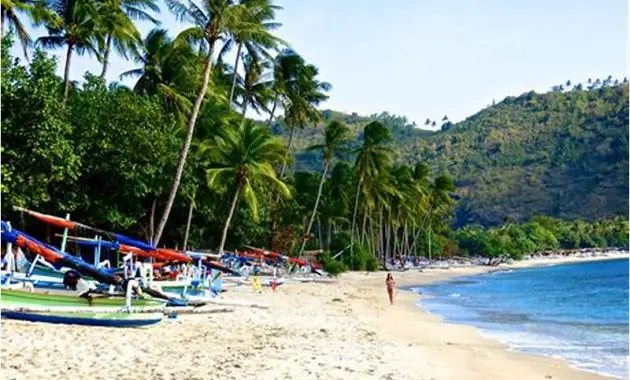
429 58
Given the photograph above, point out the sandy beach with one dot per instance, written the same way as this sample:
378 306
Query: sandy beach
340 330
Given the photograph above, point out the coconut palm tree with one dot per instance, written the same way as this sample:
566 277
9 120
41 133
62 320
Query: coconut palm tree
168 69
215 20
303 94
257 44
439 202
286 66
255 91
295 86
335 142
243 157
371 158
9 14
116 21
74 24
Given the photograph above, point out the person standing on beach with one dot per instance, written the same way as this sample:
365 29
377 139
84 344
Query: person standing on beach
390 283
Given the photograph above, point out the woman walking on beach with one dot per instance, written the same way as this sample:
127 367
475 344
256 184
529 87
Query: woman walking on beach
389 281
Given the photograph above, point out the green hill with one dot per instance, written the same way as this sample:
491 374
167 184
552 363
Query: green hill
561 154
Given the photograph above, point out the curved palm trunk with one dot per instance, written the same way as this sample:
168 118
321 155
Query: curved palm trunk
181 160
286 156
238 56
239 185
190 212
66 74
152 220
319 195
273 111
244 109
274 216
108 49
354 218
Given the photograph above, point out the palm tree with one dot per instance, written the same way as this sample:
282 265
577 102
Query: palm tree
255 44
286 67
372 157
168 69
256 91
244 157
439 200
295 86
116 21
335 141
9 13
73 23
303 94
215 20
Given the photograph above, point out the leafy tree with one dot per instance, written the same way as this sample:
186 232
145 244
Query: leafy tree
74 24
215 20
116 21
335 141
257 43
244 157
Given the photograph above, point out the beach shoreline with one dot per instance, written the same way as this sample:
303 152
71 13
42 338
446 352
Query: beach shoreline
445 275
340 330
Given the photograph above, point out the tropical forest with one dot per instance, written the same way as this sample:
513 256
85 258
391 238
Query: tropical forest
209 153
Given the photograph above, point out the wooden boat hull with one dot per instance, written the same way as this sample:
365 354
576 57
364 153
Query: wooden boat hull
86 319
51 299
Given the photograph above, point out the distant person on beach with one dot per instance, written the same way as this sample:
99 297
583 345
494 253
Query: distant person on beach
389 281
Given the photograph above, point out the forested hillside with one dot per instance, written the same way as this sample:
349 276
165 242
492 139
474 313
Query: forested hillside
562 154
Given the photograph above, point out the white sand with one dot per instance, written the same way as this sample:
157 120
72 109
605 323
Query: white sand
344 330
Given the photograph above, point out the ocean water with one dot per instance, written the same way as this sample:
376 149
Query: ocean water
578 312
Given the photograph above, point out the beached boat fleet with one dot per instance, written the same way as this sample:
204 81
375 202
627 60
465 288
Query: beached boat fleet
41 283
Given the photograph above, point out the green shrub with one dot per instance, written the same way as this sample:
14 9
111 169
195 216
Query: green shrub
371 264
333 267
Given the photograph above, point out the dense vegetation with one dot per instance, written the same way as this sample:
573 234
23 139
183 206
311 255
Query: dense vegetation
562 154
178 145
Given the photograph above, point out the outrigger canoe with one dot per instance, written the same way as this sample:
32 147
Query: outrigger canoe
69 309
114 319
11 297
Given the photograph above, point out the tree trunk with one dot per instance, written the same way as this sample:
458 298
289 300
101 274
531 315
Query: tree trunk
238 57
354 217
273 111
239 184
372 237
329 236
319 231
381 237
190 212
395 252
319 195
108 49
181 160
244 109
152 221
363 225
274 214
429 239
405 242
66 74
286 157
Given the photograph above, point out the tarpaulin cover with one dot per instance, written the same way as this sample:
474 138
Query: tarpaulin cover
59 258
133 242
95 243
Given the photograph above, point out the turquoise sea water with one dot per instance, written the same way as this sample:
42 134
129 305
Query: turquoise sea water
578 312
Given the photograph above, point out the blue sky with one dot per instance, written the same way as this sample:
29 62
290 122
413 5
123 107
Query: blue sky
430 58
